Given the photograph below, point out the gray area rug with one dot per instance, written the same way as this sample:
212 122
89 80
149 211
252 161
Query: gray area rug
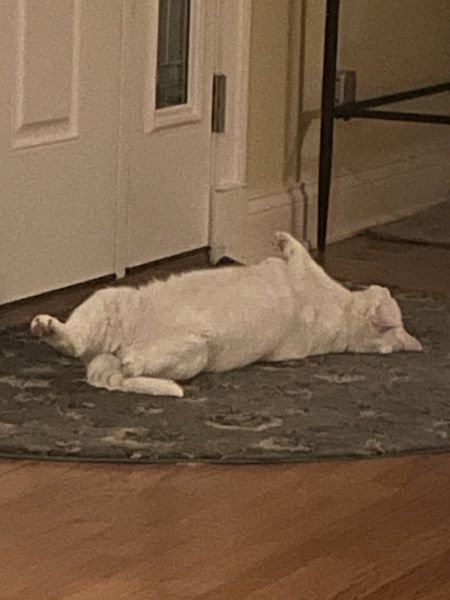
330 407
429 227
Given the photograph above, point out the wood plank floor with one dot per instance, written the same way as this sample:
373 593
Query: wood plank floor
376 530
372 530
407 266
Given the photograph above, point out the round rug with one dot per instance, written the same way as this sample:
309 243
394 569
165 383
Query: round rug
329 407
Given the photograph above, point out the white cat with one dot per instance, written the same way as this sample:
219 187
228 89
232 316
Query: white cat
143 340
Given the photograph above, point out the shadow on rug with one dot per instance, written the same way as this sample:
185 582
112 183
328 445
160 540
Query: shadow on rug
330 407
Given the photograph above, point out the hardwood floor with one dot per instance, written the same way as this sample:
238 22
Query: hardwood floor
373 530
407 266
369 530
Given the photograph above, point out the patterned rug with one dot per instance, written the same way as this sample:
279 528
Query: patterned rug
330 407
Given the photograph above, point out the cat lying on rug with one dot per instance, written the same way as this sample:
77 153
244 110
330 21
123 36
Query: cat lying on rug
144 340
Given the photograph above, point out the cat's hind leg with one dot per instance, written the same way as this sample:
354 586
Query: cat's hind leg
84 328
54 333
303 269
179 358
105 371
290 247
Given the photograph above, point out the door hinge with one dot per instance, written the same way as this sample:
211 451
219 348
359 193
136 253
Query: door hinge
219 101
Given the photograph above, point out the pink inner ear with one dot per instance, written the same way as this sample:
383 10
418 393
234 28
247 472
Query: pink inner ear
387 314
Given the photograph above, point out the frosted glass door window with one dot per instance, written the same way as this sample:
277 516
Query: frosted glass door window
173 53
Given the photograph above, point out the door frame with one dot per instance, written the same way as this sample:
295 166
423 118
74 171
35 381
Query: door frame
228 150
233 27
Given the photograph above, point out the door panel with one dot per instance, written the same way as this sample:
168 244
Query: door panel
98 173
170 154
59 103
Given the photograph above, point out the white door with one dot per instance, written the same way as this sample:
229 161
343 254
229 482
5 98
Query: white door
169 161
59 106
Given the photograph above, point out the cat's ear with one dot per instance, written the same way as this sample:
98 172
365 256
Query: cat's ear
386 314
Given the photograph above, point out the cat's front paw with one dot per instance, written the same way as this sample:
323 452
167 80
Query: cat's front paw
132 365
44 326
285 243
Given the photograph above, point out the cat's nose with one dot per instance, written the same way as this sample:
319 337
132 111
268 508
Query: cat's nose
412 344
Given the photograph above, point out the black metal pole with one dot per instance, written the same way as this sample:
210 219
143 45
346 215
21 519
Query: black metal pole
327 118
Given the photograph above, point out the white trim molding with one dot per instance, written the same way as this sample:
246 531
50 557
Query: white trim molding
399 186
395 185
124 140
246 221
233 58
229 198
227 224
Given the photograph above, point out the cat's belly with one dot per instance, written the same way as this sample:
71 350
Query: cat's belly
241 315
247 344
233 356
249 327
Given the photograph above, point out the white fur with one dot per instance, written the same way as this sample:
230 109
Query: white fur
143 340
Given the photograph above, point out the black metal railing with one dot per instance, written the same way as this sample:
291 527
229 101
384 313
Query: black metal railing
360 109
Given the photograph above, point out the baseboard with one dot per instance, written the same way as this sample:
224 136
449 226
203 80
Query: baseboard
227 223
243 223
413 181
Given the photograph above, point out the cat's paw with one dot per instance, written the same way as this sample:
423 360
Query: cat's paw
285 243
132 365
44 326
288 245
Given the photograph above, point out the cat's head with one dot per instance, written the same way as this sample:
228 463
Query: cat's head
383 329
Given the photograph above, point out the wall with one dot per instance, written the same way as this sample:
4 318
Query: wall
268 88
382 170
269 143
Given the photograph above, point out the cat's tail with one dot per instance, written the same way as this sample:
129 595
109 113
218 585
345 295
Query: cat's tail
104 371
